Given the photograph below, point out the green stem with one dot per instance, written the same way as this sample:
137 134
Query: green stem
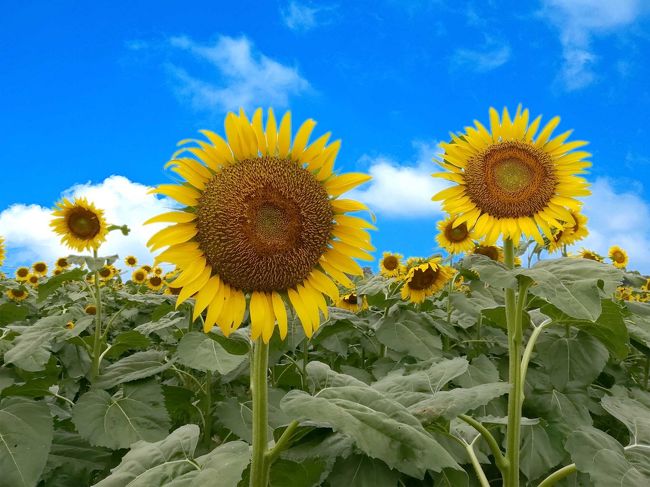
305 360
259 476
97 342
207 431
282 443
558 475
499 459
469 447
529 348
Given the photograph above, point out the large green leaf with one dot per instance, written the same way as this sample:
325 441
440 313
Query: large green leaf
381 427
12 312
603 458
171 319
491 272
633 414
449 404
410 333
307 473
321 376
25 439
73 455
136 412
129 340
201 352
53 283
541 450
137 366
362 471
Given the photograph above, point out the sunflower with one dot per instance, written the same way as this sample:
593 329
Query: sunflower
32 280
492 251
106 272
591 255
62 263
2 251
131 261
390 265
90 309
157 271
57 271
263 219
646 286
618 256
509 184
155 283
146 268
70 325
22 273
39 268
624 293
139 276
569 234
454 239
80 224
352 302
19 294
425 279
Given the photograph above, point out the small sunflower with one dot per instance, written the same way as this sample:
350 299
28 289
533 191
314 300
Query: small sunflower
424 280
492 251
106 272
569 234
22 273
455 238
508 184
646 286
2 251
618 256
352 302
39 268
19 294
155 283
131 261
90 309
590 255
70 325
262 218
390 265
624 293
57 271
157 271
62 263
32 280
80 224
139 276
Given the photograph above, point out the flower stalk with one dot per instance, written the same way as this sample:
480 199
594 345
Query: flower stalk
260 467
97 340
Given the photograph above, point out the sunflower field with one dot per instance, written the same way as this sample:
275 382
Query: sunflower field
255 350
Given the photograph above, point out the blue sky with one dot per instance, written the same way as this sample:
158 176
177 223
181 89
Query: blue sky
90 91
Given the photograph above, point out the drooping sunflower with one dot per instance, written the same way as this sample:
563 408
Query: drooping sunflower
390 265
263 218
139 276
425 280
569 234
618 256
509 182
494 252
62 263
81 225
131 261
22 273
39 268
352 302
455 239
155 283
70 325
17 294
591 255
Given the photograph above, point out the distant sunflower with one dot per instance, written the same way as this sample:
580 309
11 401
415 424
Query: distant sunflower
39 268
131 261
569 234
70 325
80 224
17 294
32 280
157 271
424 280
90 309
263 219
508 184
590 255
146 268
57 271
390 265
618 256
352 302
455 239
106 272
139 276
22 273
155 283
492 251
62 263
2 251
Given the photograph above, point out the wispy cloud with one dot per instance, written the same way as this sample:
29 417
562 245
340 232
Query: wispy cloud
302 16
578 21
244 76
492 56
402 190
29 236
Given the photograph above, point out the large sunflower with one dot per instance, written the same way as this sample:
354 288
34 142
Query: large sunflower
80 224
508 182
262 218
390 265
454 239
425 279
618 256
569 234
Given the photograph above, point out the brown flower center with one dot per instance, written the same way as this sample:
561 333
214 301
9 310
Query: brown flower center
390 262
511 179
18 293
457 234
40 267
83 223
155 281
62 262
264 223
22 272
350 299
422 279
618 257
139 276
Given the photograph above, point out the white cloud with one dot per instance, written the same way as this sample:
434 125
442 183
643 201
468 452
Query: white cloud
29 237
245 77
578 22
300 16
402 191
482 60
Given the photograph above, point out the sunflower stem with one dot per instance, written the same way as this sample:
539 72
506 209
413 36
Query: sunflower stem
97 342
558 475
207 431
260 467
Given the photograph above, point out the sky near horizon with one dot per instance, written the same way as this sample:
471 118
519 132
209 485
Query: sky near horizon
95 96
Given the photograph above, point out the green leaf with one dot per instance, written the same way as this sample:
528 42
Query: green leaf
491 272
380 427
174 318
128 340
408 332
480 371
25 439
72 454
632 413
541 450
574 361
134 367
602 457
201 352
362 471
304 474
449 404
53 283
135 413
321 376
11 312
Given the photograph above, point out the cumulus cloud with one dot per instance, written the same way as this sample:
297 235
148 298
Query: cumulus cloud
402 191
481 60
29 236
300 16
244 76
578 21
